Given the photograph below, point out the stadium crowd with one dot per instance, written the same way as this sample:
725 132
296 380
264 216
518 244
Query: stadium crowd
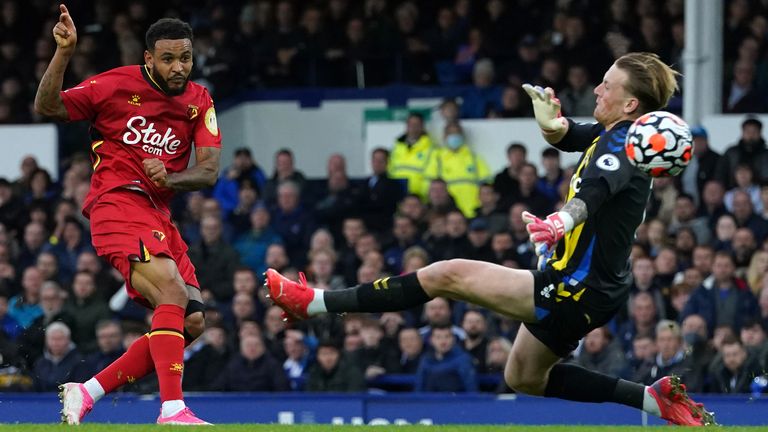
485 49
698 307
699 304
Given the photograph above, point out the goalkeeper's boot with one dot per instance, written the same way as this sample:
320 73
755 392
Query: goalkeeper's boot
184 417
675 405
292 297
76 403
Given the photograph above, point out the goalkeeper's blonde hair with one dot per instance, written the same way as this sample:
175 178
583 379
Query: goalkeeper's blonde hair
649 79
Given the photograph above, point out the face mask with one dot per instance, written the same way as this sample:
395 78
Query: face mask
692 339
454 141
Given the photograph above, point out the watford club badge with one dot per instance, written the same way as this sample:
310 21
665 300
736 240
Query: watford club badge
192 111
159 235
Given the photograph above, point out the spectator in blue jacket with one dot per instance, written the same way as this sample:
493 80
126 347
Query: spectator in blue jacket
293 222
723 299
447 368
72 243
243 169
252 245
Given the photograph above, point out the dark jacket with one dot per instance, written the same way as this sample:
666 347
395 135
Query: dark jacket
215 265
379 201
87 312
95 363
725 381
345 377
753 154
704 300
203 367
452 373
31 343
610 361
241 375
48 375
651 371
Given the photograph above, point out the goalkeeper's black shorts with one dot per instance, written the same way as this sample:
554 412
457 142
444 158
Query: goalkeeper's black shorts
567 311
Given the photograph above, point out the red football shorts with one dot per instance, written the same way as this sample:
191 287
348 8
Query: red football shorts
126 227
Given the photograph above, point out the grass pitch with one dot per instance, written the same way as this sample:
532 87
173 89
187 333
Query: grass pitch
329 428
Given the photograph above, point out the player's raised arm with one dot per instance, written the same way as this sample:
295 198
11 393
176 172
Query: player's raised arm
48 100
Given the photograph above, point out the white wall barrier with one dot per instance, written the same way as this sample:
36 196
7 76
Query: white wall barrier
19 141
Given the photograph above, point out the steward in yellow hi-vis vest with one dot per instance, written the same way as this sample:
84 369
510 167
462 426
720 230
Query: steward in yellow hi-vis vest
462 169
411 155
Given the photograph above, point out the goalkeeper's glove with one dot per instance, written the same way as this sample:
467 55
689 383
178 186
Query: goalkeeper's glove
546 108
545 234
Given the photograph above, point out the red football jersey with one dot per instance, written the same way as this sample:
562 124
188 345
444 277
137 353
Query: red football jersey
132 119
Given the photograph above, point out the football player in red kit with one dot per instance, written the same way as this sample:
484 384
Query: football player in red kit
144 120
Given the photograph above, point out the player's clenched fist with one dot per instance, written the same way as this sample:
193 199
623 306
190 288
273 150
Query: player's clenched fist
155 170
64 31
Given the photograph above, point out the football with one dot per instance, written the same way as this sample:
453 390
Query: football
660 144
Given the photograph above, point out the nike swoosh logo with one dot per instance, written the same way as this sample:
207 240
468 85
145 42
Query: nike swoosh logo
74 88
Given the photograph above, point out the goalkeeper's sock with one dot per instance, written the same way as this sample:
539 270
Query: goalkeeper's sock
383 295
576 383
650 405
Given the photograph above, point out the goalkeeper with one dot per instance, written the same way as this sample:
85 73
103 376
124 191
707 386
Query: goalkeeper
584 271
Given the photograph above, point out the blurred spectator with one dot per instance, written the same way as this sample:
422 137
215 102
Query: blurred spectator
412 154
48 264
292 222
712 206
456 243
642 323
297 358
699 351
251 369
600 354
207 362
380 193
671 358
340 200
72 243
252 245
332 373
243 169
753 337
734 371
9 327
750 149
87 308
530 193
32 341
404 236
476 343
376 356
685 217
489 208
549 184
744 182
703 165
109 339
285 171
411 345
446 368
438 314
484 95
274 332
11 207
214 259
439 200
479 237
643 352
513 104
741 95
460 167
320 272
722 299
743 245
59 359
497 355
33 243
745 216
25 307
578 98
758 268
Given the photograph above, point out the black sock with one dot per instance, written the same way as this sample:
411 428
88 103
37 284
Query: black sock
383 295
575 383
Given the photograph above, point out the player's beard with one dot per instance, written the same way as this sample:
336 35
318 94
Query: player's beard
164 84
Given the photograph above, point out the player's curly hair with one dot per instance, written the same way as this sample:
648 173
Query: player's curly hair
167 28
650 80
